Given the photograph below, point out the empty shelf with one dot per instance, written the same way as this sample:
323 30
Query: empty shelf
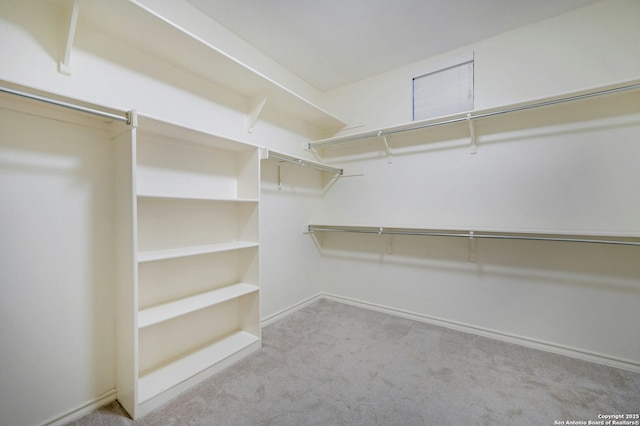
150 256
167 311
196 198
170 374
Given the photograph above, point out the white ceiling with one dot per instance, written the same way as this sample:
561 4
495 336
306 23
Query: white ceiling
330 43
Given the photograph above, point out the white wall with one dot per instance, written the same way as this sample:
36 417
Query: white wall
590 47
534 291
56 266
567 168
110 73
59 344
290 263
191 19
570 168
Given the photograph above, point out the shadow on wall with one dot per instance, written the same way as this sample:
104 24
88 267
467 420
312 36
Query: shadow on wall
580 264
28 15
56 264
47 25
281 177
599 113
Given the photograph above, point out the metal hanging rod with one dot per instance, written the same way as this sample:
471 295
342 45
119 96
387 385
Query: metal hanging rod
304 163
124 117
465 234
471 116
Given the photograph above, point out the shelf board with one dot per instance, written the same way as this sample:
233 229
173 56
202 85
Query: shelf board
158 380
176 308
196 198
483 232
174 132
463 118
188 45
150 256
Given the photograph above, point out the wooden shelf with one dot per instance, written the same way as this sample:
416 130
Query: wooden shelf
154 315
467 117
158 380
151 256
167 131
188 45
196 198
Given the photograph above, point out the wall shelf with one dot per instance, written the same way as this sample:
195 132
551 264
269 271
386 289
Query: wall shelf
297 161
468 117
620 239
187 46
302 162
195 198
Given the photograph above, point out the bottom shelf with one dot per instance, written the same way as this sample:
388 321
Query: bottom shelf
158 380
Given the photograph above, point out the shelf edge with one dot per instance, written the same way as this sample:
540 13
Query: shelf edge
186 305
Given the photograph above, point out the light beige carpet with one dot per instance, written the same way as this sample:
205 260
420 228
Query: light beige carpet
335 364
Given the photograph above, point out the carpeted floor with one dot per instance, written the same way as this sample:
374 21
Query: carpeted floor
335 364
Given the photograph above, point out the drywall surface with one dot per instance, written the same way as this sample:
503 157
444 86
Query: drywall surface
109 72
564 169
589 47
575 178
57 301
56 267
289 259
569 169
572 178
187 16
578 300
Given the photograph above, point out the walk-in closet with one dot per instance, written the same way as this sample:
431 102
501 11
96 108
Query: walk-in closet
217 212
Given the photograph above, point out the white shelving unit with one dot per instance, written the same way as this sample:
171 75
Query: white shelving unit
188 44
189 290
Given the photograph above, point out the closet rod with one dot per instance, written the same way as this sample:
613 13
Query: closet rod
465 234
125 117
305 163
471 116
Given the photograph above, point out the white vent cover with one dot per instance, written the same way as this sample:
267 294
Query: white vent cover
442 92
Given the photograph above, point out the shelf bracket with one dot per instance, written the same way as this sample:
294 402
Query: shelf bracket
64 67
256 105
472 248
472 134
390 244
387 150
279 175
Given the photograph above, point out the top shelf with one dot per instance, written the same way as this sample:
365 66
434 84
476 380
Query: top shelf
179 45
172 131
468 116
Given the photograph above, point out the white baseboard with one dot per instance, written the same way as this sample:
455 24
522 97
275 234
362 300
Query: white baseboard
291 309
83 409
467 328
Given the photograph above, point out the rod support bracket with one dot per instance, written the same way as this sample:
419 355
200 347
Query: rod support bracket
390 244
472 134
64 66
256 105
472 248
387 150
